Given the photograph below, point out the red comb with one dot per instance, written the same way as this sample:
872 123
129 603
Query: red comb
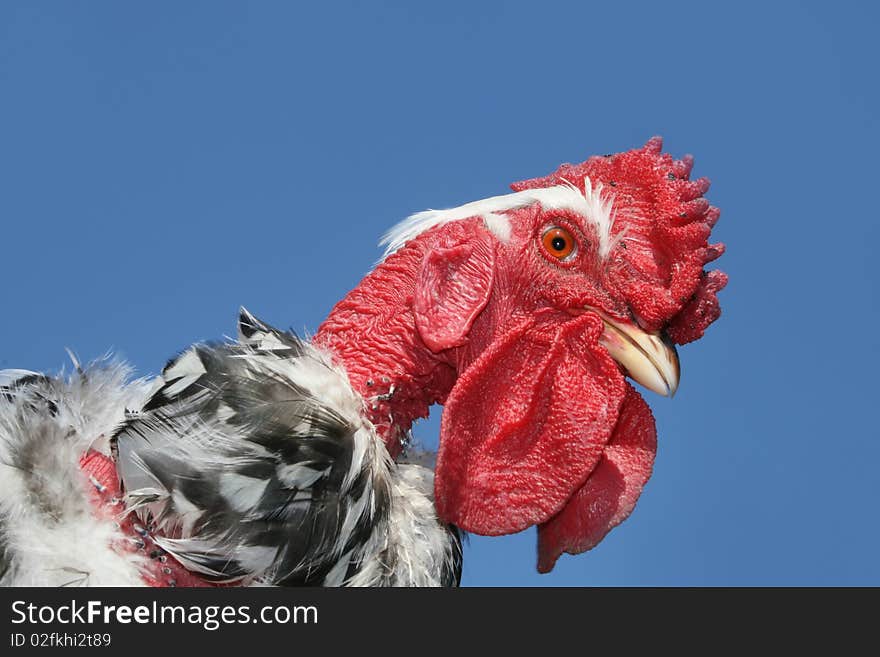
664 223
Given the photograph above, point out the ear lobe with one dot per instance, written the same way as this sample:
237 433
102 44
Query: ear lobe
452 288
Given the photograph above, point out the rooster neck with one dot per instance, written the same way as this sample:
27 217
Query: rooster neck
372 334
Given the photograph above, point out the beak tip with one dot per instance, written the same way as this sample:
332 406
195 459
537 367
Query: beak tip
675 368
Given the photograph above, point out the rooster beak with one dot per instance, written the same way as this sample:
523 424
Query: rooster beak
648 358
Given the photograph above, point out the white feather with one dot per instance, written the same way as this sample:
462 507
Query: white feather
299 475
242 492
8 377
591 205
51 535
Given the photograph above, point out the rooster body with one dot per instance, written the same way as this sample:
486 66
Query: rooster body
248 463
279 461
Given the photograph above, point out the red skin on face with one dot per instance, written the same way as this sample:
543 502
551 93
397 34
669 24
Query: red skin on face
540 427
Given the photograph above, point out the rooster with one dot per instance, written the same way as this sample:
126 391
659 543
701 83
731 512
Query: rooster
283 461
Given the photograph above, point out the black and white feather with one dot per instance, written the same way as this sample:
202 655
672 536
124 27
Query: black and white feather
251 462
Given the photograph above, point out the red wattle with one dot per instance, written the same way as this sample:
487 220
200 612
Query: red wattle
525 425
612 490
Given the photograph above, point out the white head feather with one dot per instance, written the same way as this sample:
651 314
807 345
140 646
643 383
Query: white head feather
591 205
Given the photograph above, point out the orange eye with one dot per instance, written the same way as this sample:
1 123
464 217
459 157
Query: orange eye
558 242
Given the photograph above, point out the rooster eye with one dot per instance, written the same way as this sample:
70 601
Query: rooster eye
558 242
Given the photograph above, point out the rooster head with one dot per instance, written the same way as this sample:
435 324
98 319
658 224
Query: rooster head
525 314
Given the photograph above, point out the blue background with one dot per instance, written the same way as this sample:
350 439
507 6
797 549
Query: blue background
162 163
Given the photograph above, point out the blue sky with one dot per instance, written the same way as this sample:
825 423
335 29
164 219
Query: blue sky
163 163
